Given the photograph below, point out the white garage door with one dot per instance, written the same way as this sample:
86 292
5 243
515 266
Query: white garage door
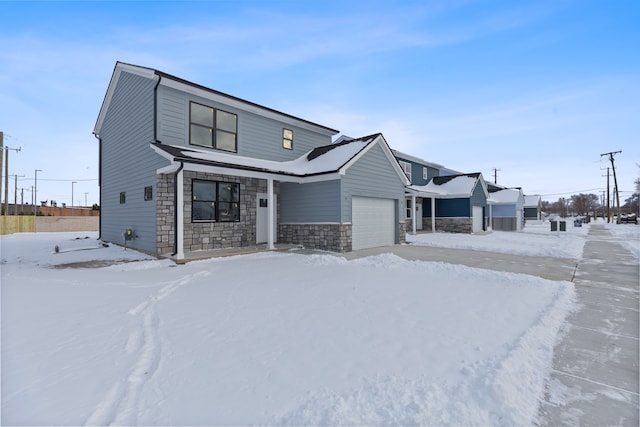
373 222
477 219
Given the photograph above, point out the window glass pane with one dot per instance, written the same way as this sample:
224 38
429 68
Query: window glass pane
202 115
204 191
287 143
228 192
287 134
225 141
228 211
200 136
204 211
226 121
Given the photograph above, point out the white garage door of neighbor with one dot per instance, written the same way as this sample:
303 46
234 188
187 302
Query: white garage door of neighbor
477 219
373 222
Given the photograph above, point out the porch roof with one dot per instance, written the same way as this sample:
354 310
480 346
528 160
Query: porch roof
449 187
320 163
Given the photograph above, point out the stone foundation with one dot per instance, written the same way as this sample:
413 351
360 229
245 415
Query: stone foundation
327 237
449 225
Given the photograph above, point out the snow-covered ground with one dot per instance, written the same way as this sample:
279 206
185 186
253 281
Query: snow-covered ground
536 239
271 338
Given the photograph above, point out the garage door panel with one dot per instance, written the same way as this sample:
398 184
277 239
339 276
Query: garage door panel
373 222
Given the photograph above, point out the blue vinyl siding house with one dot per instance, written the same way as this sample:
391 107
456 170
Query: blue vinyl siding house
185 168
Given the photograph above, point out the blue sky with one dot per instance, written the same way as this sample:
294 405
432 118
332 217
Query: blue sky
536 89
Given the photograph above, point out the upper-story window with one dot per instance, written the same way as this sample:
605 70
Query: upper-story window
425 173
287 139
210 127
406 167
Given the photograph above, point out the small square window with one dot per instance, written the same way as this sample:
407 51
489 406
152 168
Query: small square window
123 198
287 139
148 193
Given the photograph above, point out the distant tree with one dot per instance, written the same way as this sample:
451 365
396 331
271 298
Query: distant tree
582 204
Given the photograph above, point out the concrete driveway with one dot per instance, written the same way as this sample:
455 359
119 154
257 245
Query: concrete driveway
594 380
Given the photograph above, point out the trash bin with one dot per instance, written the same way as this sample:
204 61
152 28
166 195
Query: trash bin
563 225
554 226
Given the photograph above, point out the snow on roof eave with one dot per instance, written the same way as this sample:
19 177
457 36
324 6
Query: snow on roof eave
268 169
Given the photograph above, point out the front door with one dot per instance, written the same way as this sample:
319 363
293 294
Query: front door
262 219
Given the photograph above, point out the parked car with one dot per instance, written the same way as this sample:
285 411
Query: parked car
629 218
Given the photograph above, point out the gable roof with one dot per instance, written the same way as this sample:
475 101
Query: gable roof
322 163
169 80
532 201
505 196
451 186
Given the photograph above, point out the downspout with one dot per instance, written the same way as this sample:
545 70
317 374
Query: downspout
178 220
155 108
99 185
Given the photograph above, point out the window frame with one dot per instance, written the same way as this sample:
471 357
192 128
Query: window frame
286 140
148 193
406 168
215 129
123 197
217 202
425 172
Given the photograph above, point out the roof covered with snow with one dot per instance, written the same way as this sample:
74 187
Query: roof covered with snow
532 201
333 158
451 186
506 196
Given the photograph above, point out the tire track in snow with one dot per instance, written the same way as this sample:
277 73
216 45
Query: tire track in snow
120 405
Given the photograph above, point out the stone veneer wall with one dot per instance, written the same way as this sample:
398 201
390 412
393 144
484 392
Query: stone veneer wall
165 208
207 235
328 237
403 232
449 225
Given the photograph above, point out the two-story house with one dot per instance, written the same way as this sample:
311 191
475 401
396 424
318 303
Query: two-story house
441 199
186 168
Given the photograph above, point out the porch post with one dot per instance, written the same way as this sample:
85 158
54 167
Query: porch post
270 215
491 215
413 213
180 215
433 214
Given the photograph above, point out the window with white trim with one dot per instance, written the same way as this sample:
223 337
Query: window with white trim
406 167
287 139
425 173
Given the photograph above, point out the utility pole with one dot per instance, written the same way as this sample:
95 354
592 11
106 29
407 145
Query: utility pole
22 200
15 193
615 180
1 161
6 177
495 175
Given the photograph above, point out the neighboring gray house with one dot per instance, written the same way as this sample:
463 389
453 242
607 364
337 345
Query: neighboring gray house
506 209
186 168
452 203
532 207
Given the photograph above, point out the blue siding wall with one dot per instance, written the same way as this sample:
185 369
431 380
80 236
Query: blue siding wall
308 203
507 211
452 208
478 197
257 136
417 172
373 167
129 164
